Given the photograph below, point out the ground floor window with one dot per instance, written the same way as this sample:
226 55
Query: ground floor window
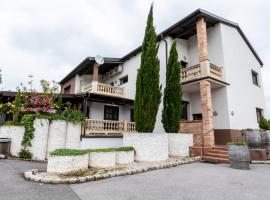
197 116
111 113
184 115
259 113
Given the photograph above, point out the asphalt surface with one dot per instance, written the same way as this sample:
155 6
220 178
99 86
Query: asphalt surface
196 181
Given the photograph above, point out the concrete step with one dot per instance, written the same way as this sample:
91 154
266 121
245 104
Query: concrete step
216 160
217 155
218 151
222 148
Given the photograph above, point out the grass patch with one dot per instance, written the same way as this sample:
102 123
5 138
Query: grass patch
76 152
68 152
238 143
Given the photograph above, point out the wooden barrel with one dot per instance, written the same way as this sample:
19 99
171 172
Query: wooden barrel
265 139
254 139
239 156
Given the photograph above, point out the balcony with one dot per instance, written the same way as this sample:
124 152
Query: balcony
202 71
105 89
105 127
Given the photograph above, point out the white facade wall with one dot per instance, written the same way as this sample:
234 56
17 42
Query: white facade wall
243 95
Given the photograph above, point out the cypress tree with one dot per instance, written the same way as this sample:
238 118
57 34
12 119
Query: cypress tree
172 100
148 90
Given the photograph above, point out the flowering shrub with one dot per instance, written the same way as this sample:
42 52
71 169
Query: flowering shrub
7 108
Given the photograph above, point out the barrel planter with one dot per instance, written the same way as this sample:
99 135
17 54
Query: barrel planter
40 140
148 146
254 139
67 164
179 144
124 157
268 144
15 133
239 156
73 135
102 159
57 135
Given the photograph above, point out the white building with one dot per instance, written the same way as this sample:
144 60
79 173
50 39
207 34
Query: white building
221 81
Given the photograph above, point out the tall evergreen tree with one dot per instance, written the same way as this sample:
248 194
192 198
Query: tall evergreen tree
148 90
172 100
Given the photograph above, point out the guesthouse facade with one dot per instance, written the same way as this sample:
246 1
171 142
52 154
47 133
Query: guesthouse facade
220 78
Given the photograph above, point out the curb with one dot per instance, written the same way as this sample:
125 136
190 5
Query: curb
31 175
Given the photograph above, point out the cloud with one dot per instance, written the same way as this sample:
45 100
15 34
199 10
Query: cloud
49 38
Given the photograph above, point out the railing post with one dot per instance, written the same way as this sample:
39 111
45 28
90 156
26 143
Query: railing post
125 126
205 68
95 86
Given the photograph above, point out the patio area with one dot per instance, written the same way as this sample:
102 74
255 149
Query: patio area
193 181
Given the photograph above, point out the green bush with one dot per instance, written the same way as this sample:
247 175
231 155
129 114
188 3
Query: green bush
28 122
74 116
264 123
238 143
25 154
11 123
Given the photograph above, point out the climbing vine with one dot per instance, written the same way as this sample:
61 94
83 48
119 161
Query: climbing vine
28 122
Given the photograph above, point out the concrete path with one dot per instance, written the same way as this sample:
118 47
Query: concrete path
196 181
14 187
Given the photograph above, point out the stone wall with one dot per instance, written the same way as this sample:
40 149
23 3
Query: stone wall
194 127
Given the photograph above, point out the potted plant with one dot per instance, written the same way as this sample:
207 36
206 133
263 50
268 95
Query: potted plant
239 155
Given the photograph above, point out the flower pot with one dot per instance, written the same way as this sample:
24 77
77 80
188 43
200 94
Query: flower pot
15 133
57 135
40 140
102 159
67 164
124 157
148 146
239 156
73 135
179 144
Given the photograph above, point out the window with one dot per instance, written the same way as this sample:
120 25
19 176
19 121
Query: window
183 64
111 113
123 80
259 113
184 115
132 115
112 83
255 79
197 116
67 90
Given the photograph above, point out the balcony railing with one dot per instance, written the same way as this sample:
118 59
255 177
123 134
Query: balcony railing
101 88
96 126
201 71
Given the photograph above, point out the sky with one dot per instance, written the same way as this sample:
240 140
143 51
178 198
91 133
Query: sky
49 38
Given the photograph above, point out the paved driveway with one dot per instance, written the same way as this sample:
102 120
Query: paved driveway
196 181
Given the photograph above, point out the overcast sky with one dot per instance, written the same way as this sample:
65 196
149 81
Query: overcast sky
49 38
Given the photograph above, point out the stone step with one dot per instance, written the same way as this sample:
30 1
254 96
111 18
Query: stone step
222 148
218 151
216 160
217 155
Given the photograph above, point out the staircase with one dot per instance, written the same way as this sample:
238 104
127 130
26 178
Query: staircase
218 154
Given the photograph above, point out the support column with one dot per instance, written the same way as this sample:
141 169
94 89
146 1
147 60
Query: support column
207 114
208 139
95 72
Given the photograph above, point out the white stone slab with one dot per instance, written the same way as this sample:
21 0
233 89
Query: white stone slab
179 144
124 157
102 159
73 135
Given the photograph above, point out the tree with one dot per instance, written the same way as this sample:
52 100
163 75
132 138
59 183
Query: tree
148 90
264 123
172 100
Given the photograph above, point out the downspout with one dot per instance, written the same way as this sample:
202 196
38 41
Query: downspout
166 48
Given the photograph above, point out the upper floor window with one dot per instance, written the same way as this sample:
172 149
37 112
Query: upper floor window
255 78
259 113
123 80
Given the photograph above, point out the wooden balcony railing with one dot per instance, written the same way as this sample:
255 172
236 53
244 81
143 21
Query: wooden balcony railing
101 88
198 72
96 126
